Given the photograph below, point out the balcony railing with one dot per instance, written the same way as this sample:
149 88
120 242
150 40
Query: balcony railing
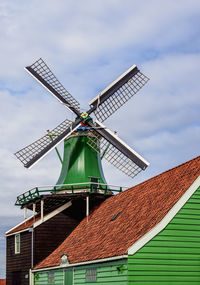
86 187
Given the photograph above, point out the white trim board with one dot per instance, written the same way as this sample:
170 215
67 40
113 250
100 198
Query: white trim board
18 226
40 221
19 232
82 263
52 214
165 221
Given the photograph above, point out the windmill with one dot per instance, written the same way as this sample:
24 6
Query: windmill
87 141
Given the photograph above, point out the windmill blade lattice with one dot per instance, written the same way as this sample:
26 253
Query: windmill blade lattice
113 155
45 76
118 93
28 154
103 106
114 150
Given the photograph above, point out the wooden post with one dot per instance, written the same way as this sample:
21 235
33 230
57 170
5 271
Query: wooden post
34 207
25 213
87 207
42 210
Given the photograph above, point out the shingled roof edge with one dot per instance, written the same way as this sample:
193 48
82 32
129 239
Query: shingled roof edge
159 174
167 218
11 231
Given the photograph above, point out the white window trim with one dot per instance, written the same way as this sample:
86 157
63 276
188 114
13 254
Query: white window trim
17 251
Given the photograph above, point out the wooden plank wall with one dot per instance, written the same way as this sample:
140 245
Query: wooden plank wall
107 273
18 262
42 278
50 234
173 256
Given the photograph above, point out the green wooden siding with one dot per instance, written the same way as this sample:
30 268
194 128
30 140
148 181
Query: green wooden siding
173 256
41 278
107 273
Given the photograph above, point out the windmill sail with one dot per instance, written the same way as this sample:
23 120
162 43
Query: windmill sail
117 152
38 149
45 76
104 105
117 93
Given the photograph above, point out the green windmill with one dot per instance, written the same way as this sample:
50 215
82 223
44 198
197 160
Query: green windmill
87 141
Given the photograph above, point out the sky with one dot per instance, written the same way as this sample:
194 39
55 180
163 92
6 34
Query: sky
88 44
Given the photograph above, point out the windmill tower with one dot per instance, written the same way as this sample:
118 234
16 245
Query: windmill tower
86 140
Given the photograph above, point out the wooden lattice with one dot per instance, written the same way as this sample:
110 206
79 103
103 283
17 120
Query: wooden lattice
120 97
27 154
113 155
42 71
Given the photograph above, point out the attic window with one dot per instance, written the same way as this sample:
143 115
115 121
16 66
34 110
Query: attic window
115 217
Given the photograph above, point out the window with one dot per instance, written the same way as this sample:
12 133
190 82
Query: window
17 243
50 277
91 274
94 183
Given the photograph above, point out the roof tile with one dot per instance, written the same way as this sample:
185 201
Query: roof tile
25 225
141 208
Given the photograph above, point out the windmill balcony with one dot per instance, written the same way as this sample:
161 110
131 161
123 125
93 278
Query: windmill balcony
72 189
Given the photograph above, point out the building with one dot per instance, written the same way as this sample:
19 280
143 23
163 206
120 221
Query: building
148 234
82 233
35 238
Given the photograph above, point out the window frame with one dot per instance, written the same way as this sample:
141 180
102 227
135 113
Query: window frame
89 276
17 244
51 277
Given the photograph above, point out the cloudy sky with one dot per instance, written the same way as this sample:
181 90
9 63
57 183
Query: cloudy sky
88 44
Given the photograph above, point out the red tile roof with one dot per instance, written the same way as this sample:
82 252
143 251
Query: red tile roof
2 281
141 208
23 226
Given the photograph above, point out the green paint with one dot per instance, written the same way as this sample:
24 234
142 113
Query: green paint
173 256
111 273
68 276
80 162
58 154
41 278
107 273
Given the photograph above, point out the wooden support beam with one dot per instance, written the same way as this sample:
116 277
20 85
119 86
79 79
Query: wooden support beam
87 207
42 210
25 213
